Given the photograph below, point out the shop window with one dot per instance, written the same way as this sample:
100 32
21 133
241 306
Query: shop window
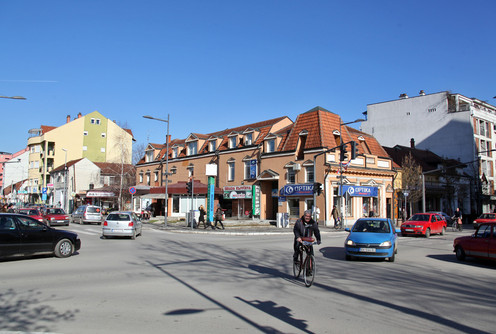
348 205
175 203
294 207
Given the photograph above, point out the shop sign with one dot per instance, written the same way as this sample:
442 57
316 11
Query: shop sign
235 192
253 169
361 191
237 188
99 194
297 190
256 200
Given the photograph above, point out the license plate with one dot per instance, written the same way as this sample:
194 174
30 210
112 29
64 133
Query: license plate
367 250
409 229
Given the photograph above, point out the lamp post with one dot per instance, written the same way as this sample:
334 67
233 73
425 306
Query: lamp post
341 206
166 211
65 180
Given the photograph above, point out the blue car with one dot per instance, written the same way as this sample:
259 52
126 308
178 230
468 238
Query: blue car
372 238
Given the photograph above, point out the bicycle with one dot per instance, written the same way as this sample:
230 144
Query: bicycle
306 265
455 225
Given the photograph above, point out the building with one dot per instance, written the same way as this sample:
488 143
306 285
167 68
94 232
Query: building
450 125
443 182
82 181
93 137
271 167
14 169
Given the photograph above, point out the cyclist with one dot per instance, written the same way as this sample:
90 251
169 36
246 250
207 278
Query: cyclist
305 227
458 218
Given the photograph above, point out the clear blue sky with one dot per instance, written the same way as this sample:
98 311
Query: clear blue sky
216 64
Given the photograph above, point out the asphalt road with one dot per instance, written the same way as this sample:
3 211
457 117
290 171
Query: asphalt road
169 282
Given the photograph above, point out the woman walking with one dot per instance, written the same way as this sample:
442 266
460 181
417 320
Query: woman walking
202 217
218 216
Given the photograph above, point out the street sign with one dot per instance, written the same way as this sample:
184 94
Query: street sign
132 190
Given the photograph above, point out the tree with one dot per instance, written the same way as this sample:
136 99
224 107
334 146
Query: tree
138 152
411 178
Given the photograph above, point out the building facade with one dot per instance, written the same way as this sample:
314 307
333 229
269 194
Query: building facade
92 136
271 167
450 125
14 169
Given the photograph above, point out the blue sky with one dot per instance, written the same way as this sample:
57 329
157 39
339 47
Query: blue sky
216 64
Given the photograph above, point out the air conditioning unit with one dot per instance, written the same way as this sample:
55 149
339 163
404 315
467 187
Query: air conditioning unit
296 167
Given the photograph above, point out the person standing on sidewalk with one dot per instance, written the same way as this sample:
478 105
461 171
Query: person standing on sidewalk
218 216
335 216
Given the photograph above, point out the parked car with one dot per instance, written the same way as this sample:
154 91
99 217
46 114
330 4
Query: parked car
372 238
481 244
122 224
56 216
424 224
485 218
90 214
21 235
32 212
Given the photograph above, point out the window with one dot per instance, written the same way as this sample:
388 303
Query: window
85 148
309 174
141 178
191 170
291 175
294 207
149 156
174 152
102 149
92 121
271 145
192 148
212 145
85 133
232 142
248 139
249 173
97 121
148 179
104 135
230 171
155 176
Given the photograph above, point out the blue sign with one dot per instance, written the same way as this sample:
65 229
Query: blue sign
253 169
361 191
44 190
297 190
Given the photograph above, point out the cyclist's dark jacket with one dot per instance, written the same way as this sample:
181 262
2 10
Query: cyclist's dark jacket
310 230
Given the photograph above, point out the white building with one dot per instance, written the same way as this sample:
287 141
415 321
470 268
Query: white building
450 125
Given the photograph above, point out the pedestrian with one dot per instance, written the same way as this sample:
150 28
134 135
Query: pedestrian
4 208
335 216
201 218
219 216
10 208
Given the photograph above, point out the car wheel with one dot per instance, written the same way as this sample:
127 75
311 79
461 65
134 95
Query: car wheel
443 230
348 257
64 248
460 253
428 233
391 258
134 235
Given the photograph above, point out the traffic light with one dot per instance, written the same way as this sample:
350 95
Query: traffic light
189 187
354 150
317 188
342 153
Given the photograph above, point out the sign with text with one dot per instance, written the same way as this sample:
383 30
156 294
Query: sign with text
297 190
361 191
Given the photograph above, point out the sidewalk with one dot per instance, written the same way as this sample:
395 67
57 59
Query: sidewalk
232 227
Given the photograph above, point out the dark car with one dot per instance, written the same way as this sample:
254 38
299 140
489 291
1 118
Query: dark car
481 244
444 215
21 235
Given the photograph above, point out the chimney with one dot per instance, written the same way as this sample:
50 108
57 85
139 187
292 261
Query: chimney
403 96
79 115
412 143
168 139
422 93
68 118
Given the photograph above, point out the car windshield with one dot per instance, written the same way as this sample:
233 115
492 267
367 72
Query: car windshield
33 212
92 209
56 211
375 226
418 218
487 216
118 217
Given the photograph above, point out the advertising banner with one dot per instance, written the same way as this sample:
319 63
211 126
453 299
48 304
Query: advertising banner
297 190
361 191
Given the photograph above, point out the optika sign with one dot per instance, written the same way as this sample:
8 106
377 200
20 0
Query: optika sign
297 190
361 191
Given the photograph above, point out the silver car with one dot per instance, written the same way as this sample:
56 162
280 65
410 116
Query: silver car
91 214
122 224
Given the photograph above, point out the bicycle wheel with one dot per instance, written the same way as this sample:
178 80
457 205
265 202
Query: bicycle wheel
454 226
297 266
309 271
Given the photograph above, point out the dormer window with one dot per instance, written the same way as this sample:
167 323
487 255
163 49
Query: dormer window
248 139
174 152
192 148
212 145
270 145
149 156
233 141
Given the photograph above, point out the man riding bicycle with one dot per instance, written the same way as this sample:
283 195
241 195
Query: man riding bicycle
305 227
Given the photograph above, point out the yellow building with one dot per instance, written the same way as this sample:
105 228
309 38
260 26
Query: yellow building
93 136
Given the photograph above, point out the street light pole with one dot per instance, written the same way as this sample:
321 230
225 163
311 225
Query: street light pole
65 181
341 206
166 200
13 97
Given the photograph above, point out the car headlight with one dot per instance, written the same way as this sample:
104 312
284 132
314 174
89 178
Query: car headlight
349 242
385 244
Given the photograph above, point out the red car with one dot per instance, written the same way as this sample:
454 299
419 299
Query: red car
485 218
424 224
56 216
481 244
33 212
